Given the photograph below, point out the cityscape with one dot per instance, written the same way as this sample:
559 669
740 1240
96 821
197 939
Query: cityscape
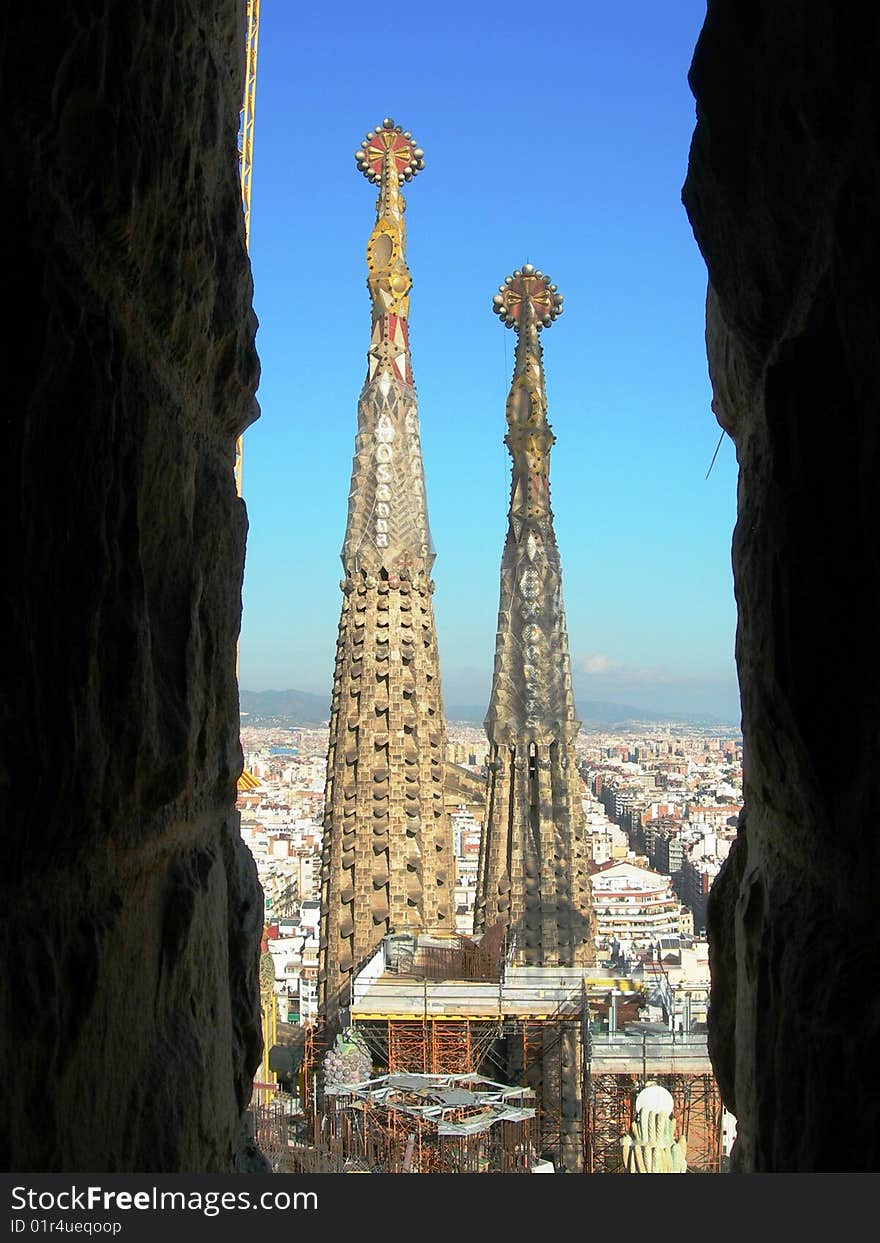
661 810
660 807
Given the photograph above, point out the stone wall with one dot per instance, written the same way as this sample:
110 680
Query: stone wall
132 912
783 192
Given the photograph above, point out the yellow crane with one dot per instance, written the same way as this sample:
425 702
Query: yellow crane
246 150
245 169
268 1002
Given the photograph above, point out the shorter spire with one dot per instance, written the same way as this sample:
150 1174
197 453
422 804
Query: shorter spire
533 877
531 689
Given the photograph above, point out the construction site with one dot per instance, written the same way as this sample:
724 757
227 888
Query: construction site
463 1062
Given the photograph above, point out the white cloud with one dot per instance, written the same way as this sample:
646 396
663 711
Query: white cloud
595 662
598 664
656 687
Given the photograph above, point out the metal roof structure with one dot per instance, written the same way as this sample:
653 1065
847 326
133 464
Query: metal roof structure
466 1104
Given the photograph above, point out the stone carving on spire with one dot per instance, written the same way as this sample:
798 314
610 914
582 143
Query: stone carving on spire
533 872
387 854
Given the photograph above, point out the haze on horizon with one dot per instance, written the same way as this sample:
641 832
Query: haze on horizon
585 183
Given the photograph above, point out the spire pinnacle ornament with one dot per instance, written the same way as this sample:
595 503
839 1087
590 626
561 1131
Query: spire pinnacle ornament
534 289
388 143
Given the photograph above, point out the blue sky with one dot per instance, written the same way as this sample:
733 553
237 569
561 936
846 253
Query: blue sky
555 135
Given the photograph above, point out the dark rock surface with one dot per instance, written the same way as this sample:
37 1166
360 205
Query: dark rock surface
132 912
783 191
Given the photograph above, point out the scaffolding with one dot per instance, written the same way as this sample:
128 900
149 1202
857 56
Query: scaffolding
533 1054
699 1111
271 1114
315 1044
545 1055
610 1112
584 1091
608 1100
429 1044
429 1124
574 1042
583 1102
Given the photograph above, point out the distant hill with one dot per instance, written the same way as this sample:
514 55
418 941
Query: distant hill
291 707
304 708
597 712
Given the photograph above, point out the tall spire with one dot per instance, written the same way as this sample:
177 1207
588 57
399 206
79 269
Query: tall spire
533 874
387 849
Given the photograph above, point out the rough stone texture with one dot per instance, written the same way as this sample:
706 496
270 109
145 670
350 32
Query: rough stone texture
783 191
131 908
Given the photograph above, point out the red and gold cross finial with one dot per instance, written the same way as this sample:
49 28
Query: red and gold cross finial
527 290
388 142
